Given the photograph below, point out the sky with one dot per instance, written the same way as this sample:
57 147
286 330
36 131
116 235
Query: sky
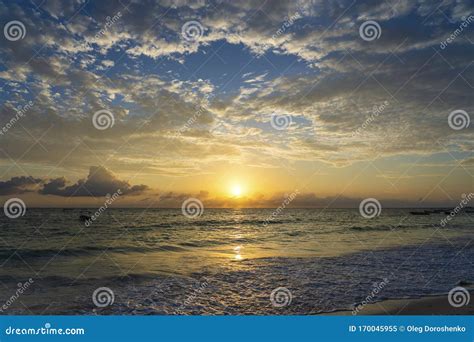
237 104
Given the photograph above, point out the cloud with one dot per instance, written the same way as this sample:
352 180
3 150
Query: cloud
335 80
468 161
292 199
99 182
19 185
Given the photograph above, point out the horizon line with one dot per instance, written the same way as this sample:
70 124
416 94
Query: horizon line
440 207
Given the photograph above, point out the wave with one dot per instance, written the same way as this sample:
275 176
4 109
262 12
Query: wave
258 222
82 251
215 222
371 228
201 243
63 280
397 227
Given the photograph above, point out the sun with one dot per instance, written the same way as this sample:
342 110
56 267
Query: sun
236 190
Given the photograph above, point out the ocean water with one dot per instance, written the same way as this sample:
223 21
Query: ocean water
228 261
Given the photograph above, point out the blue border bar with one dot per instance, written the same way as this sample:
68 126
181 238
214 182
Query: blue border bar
238 328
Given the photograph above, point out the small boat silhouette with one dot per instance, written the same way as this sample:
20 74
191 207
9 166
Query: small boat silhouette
84 218
418 213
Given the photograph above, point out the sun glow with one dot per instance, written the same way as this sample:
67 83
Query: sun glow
236 190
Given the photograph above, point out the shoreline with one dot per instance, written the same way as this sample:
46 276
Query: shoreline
426 305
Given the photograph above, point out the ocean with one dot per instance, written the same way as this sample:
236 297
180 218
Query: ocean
227 261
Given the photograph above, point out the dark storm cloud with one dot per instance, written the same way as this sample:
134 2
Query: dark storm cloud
19 185
98 183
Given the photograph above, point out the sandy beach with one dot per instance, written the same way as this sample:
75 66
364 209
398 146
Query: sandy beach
429 305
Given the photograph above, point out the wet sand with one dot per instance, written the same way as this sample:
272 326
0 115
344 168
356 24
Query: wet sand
430 305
